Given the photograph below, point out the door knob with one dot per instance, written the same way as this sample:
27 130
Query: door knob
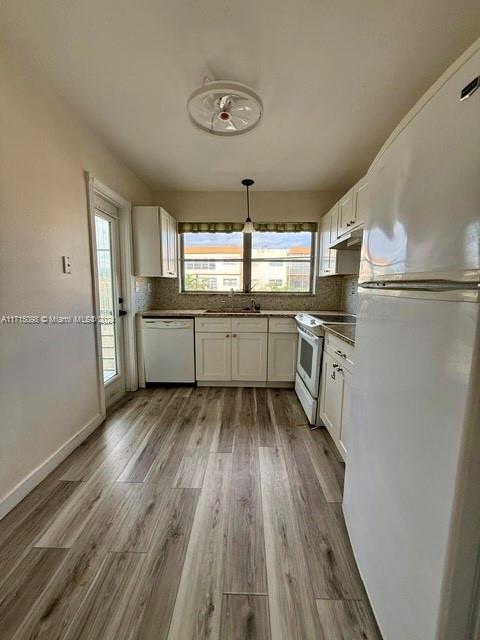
121 312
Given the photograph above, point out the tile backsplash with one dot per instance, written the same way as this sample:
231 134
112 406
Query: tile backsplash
328 297
144 293
349 293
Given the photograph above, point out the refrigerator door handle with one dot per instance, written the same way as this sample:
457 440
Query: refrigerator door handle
421 285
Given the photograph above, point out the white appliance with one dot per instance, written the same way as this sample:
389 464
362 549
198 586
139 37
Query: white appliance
412 485
169 352
311 334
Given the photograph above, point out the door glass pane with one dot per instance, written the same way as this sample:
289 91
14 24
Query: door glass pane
106 290
306 356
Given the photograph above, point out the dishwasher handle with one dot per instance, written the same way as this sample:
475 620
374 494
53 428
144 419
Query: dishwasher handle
168 324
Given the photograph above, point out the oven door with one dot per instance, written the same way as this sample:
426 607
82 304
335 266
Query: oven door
309 357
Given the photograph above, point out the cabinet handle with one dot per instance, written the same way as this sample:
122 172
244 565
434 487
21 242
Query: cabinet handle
228 335
348 224
332 375
335 365
339 353
234 335
352 221
340 370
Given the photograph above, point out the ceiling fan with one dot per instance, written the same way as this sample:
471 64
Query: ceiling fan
225 108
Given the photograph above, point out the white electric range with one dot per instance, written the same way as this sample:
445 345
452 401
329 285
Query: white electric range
311 333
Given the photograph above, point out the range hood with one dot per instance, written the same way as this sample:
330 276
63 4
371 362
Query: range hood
351 241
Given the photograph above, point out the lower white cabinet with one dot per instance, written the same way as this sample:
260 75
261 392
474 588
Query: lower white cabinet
335 393
249 357
231 356
213 356
282 357
332 396
346 415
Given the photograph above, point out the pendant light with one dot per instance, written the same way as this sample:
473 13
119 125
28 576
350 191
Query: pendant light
248 226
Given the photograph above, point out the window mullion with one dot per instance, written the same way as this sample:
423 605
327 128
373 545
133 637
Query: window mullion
247 262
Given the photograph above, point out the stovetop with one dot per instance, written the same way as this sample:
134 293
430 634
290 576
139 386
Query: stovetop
332 318
313 324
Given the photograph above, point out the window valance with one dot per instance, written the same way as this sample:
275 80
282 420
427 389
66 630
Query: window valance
231 227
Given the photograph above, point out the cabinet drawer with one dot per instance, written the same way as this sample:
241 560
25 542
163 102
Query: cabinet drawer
213 324
340 350
282 325
249 325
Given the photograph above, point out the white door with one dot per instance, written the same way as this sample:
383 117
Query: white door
213 355
249 356
107 248
282 357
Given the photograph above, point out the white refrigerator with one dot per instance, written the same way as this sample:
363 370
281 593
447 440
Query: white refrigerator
412 485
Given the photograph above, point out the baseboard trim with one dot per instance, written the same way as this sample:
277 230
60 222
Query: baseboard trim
245 383
16 495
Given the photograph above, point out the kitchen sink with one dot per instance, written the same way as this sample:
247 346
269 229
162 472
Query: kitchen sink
232 312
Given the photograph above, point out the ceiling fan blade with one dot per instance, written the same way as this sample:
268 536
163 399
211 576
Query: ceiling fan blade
239 107
242 120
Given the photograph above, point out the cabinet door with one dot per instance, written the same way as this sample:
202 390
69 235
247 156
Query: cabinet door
346 213
324 258
346 417
249 356
282 357
172 247
146 241
360 201
332 397
167 243
213 356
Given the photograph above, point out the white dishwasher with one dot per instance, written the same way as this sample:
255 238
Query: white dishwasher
168 347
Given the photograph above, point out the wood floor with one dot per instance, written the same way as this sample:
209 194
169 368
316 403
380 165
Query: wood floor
190 513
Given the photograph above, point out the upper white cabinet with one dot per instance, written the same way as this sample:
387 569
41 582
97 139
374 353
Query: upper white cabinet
360 201
334 262
154 233
324 247
352 208
346 213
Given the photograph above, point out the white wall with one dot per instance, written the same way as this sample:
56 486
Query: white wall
265 206
48 374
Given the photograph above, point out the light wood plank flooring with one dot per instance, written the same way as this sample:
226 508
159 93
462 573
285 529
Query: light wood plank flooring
191 513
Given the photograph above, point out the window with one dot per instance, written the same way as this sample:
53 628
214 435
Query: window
218 252
265 261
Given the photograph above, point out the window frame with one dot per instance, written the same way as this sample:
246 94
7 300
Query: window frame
247 269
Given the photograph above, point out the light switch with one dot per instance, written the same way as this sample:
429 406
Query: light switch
67 264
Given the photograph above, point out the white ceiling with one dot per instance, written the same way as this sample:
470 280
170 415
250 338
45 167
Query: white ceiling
335 77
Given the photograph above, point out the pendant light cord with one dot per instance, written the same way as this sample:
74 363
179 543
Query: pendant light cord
248 203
